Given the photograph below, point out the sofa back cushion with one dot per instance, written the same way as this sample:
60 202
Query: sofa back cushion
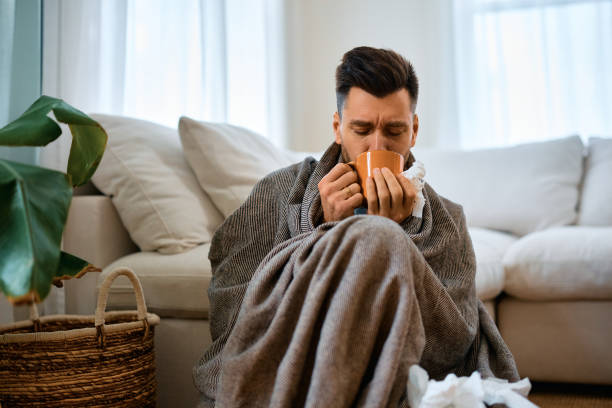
152 187
517 189
229 160
596 198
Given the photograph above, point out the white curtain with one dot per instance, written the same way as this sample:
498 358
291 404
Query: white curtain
7 22
7 25
216 60
531 70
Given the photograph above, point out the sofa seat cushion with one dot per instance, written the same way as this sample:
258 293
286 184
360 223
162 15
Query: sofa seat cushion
564 263
490 247
174 285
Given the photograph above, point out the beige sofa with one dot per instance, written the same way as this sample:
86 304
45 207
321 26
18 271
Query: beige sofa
539 214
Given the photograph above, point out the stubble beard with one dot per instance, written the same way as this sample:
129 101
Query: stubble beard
344 153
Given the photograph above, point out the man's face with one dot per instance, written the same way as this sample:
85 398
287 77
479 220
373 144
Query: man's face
370 123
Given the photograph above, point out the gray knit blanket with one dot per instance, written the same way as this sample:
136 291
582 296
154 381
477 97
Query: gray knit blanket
306 313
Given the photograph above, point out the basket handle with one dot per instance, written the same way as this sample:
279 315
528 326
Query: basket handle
103 295
34 317
33 311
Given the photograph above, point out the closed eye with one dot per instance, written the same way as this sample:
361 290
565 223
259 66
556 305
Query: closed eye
396 130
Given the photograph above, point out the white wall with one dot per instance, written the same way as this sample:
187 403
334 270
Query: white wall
319 32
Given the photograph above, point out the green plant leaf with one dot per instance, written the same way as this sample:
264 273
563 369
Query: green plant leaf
33 208
35 128
71 266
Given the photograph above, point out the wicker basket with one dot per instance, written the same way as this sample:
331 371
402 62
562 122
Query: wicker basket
106 360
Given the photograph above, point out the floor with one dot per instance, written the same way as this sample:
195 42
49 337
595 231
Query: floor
547 395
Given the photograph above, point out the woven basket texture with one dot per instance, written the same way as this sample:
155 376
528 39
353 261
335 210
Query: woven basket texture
68 363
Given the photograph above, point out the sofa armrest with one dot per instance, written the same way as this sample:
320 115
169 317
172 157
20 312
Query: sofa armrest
95 233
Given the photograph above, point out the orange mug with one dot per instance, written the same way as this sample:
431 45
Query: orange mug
366 162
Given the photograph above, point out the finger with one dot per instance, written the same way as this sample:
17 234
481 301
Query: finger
355 201
409 190
372 196
346 180
347 206
326 186
384 197
347 192
336 172
355 188
395 189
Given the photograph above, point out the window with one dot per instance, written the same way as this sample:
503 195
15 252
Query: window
531 70
160 59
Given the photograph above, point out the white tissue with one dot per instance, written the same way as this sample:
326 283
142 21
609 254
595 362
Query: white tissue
498 391
465 392
416 174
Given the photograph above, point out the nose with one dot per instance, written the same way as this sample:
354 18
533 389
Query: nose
378 141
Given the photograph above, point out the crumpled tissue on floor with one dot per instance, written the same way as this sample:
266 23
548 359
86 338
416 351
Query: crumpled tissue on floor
465 392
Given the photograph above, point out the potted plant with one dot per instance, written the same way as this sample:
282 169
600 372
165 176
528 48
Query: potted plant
34 201
61 360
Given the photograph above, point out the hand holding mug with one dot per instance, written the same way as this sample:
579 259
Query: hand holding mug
390 195
340 193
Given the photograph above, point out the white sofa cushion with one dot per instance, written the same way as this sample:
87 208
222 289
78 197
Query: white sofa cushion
174 285
489 247
517 189
563 263
152 187
596 199
229 160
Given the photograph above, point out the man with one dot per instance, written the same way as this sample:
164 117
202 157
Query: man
312 305
380 116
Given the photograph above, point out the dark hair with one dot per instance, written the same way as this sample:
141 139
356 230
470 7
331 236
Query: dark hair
377 71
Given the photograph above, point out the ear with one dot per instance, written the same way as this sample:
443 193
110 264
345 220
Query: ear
337 123
415 129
